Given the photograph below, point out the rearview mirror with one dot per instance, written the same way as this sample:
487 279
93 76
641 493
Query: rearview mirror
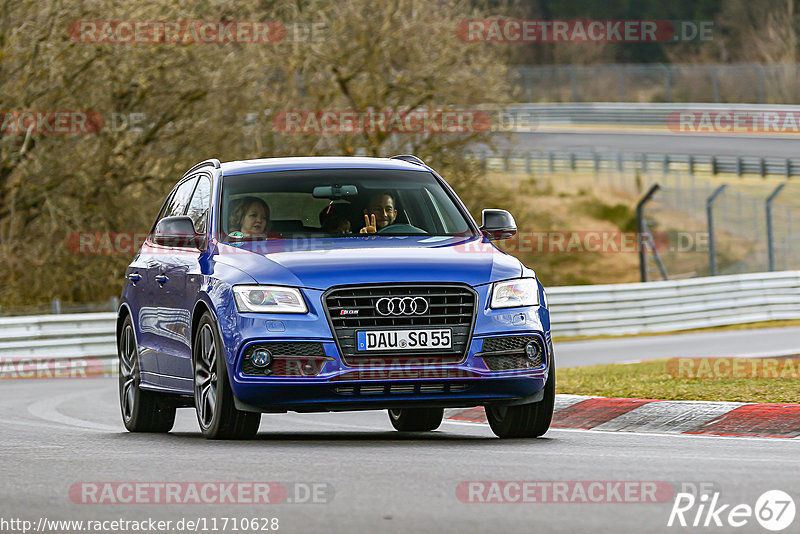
177 232
335 192
498 224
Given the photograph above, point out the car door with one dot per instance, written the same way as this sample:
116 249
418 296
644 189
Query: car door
139 295
183 283
164 323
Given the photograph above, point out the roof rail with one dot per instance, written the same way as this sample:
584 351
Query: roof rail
409 158
213 162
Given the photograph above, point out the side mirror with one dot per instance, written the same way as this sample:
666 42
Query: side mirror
498 224
177 232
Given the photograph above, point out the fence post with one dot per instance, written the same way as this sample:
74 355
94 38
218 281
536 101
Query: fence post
667 82
712 252
640 228
760 76
55 305
770 235
573 81
715 83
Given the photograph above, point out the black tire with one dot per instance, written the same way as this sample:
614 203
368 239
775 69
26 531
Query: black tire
526 420
416 419
142 411
213 398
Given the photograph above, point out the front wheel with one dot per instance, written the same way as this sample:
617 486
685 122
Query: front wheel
526 420
142 411
213 397
416 419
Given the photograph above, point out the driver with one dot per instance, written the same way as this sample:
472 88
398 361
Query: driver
379 213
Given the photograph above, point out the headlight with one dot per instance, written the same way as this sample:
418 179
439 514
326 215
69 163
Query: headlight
514 293
269 299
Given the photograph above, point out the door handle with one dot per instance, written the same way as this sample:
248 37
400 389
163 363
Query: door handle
161 279
134 277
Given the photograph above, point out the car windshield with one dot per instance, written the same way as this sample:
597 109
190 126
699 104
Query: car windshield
337 203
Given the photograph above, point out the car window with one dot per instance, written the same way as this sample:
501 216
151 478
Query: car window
282 204
179 201
200 203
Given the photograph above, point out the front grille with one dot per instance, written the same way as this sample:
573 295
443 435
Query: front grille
450 306
289 359
507 353
401 389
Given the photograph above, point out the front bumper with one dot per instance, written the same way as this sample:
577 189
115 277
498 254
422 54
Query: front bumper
341 387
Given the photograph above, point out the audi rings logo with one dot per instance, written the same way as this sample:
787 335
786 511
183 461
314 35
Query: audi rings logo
402 306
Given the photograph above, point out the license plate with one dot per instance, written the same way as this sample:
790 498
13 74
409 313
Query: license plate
440 338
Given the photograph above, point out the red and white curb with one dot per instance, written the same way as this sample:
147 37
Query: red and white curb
767 420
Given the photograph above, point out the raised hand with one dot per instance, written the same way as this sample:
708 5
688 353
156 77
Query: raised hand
369 227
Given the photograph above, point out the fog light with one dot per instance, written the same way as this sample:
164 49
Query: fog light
532 351
262 358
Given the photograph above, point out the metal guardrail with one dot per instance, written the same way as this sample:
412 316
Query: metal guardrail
47 341
532 117
534 114
657 82
675 305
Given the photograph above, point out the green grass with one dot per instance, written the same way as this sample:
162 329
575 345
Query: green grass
650 380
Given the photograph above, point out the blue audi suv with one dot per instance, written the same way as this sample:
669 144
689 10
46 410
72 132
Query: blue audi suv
319 284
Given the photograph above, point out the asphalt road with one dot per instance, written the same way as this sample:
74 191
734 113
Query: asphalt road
60 432
656 143
763 342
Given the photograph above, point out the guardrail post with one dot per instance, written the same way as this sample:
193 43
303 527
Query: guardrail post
572 160
763 167
640 228
739 166
788 168
619 161
528 163
770 236
691 164
551 162
714 165
712 252
55 305
114 302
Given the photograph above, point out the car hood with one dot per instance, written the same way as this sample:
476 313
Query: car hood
323 263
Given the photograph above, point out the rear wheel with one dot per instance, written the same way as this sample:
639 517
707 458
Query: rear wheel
527 420
213 397
142 411
416 419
